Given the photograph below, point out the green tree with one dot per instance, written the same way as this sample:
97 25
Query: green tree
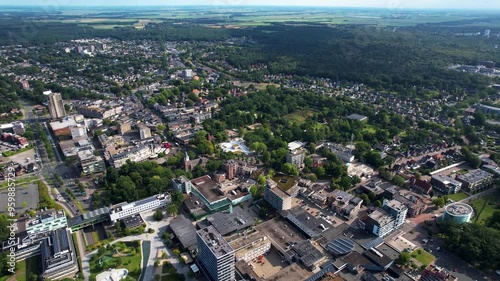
398 180
172 209
290 169
403 259
158 215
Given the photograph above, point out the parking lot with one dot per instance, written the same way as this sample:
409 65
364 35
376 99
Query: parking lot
26 194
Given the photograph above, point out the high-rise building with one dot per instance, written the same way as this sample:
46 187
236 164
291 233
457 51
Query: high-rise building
487 33
144 132
56 105
216 256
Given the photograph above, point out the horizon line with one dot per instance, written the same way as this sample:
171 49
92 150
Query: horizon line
261 5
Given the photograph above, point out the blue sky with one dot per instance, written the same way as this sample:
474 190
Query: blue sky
390 4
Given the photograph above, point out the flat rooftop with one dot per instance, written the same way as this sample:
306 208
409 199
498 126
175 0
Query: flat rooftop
184 230
227 223
291 272
283 233
458 209
285 182
214 240
474 176
208 187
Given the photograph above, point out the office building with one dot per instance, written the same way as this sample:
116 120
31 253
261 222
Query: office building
216 256
187 73
136 154
56 105
385 220
144 131
279 199
125 209
475 180
457 212
249 246
486 33
296 157
58 256
46 221
90 163
445 185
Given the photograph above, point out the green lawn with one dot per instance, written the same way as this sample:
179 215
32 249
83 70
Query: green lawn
14 152
458 196
123 255
424 257
299 117
485 207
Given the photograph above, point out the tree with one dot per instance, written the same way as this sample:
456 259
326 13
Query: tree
440 202
290 169
403 259
398 180
172 209
4 230
365 198
158 215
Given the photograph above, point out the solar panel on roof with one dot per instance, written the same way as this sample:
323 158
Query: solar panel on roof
341 246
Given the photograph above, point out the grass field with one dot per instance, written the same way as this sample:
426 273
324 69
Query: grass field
120 255
299 117
458 196
369 129
14 152
19 181
423 257
485 207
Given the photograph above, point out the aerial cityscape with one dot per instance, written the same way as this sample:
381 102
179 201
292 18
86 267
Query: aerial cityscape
226 141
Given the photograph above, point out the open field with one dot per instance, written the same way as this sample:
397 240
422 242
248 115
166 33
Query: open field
120 255
485 207
423 257
299 117
458 196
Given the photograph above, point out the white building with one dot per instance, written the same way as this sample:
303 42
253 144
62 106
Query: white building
78 131
46 221
249 246
279 199
125 209
216 256
390 217
136 154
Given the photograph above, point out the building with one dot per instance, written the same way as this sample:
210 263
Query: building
385 220
144 131
486 33
182 184
296 157
63 127
56 105
250 245
475 180
489 109
18 128
357 117
99 111
445 184
58 256
215 255
413 201
343 203
235 168
457 212
125 127
436 273
342 152
136 154
235 220
279 199
125 209
46 221
78 131
185 232
90 163
187 73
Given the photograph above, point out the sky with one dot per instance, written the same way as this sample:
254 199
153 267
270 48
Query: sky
389 4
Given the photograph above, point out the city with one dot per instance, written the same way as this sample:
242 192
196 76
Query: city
194 147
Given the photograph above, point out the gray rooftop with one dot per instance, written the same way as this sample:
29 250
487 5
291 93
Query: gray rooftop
214 240
474 176
227 223
184 230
